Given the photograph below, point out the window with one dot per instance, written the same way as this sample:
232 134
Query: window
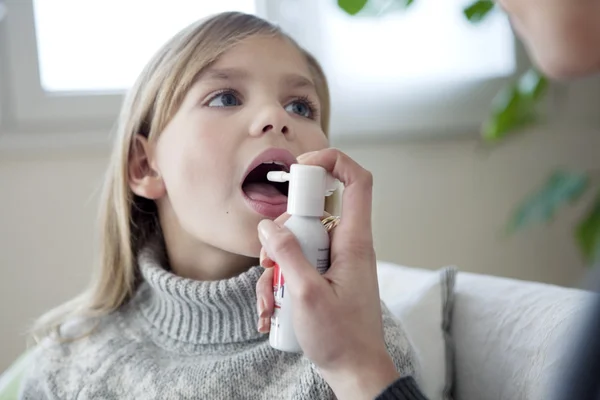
98 59
422 69
425 68
69 61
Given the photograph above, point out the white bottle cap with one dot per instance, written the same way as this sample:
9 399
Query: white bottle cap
309 184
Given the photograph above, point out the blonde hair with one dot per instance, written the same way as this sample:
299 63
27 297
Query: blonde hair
126 220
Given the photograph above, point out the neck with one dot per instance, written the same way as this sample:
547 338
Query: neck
205 262
192 259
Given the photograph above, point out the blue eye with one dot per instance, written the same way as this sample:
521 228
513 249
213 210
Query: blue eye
225 99
301 108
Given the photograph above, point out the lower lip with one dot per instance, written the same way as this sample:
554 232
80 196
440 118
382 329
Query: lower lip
266 209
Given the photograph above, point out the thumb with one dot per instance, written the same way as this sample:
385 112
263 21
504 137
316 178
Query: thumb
283 248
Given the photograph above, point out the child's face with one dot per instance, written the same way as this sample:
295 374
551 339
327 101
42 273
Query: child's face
258 96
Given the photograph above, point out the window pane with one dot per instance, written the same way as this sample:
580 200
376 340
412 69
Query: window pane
102 45
429 41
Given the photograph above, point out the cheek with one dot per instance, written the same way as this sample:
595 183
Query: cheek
192 159
313 139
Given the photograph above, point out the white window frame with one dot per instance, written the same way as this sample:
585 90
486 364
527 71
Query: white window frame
26 109
460 108
29 107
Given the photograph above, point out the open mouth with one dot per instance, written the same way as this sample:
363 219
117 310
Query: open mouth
257 187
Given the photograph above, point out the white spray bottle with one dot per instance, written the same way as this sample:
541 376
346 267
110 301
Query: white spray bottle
308 186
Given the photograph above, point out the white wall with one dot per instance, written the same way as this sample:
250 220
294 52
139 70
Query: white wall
46 236
446 202
436 203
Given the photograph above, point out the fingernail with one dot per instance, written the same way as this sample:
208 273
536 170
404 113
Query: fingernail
261 259
265 229
305 155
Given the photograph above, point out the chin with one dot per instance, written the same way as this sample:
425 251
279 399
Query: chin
247 238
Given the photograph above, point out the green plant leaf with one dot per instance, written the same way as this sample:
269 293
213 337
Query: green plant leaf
352 7
515 106
379 8
477 11
532 85
561 188
588 233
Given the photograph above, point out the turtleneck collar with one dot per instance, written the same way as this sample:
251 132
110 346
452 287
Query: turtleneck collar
198 312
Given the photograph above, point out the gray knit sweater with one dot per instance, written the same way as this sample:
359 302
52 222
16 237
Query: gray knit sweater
183 339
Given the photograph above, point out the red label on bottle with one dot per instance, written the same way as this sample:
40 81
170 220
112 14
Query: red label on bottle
278 285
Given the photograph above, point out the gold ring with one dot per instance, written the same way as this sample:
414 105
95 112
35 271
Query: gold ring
330 222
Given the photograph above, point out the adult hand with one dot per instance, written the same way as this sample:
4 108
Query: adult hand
337 315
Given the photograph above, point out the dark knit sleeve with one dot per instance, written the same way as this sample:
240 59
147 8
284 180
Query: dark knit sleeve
403 389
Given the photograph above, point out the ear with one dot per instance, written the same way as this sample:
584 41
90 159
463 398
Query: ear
144 179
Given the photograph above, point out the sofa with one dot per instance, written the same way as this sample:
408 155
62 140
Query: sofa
508 338
512 337
505 339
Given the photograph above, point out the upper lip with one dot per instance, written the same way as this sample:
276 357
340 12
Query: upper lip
269 155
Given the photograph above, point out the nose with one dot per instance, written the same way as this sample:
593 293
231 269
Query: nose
271 119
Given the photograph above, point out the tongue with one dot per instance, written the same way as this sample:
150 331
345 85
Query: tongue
265 192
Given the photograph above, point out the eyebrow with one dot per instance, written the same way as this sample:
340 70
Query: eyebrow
297 81
225 74
293 80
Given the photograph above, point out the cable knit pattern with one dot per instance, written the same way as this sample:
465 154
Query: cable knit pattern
182 339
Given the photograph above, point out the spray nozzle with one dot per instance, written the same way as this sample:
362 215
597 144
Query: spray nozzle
308 186
331 184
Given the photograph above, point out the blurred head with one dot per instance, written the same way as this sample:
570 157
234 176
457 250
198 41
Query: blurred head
217 96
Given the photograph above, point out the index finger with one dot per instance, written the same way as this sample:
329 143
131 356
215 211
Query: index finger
358 187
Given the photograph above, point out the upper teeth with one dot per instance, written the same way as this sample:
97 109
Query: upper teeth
275 162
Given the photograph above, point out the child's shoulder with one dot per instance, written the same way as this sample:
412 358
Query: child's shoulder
62 360
87 336
75 341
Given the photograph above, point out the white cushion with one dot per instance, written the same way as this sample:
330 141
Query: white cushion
512 336
422 300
